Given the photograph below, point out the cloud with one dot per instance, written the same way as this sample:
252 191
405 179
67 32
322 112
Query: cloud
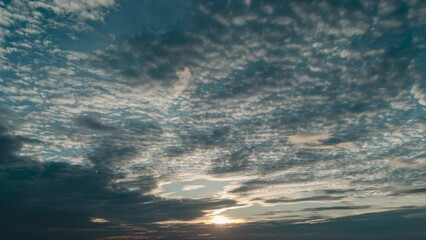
149 60
98 220
72 195
128 237
10 142
318 102
335 208
92 10
308 139
409 192
184 77
393 225
316 141
192 187
306 199
337 191
419 94
11 145
94 124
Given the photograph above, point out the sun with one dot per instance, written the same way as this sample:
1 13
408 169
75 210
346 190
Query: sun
219 220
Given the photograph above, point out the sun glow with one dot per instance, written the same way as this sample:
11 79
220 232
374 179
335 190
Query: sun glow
219 220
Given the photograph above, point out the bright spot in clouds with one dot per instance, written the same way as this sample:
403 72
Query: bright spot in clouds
98 220
220 220
192 187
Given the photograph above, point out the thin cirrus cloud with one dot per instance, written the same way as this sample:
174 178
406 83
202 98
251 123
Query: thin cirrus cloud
310 109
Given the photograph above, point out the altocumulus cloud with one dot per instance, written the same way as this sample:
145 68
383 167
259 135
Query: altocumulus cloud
312 110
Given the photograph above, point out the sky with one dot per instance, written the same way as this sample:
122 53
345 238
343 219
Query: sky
202 119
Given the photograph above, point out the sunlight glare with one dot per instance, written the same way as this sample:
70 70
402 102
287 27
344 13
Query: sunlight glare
219 220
